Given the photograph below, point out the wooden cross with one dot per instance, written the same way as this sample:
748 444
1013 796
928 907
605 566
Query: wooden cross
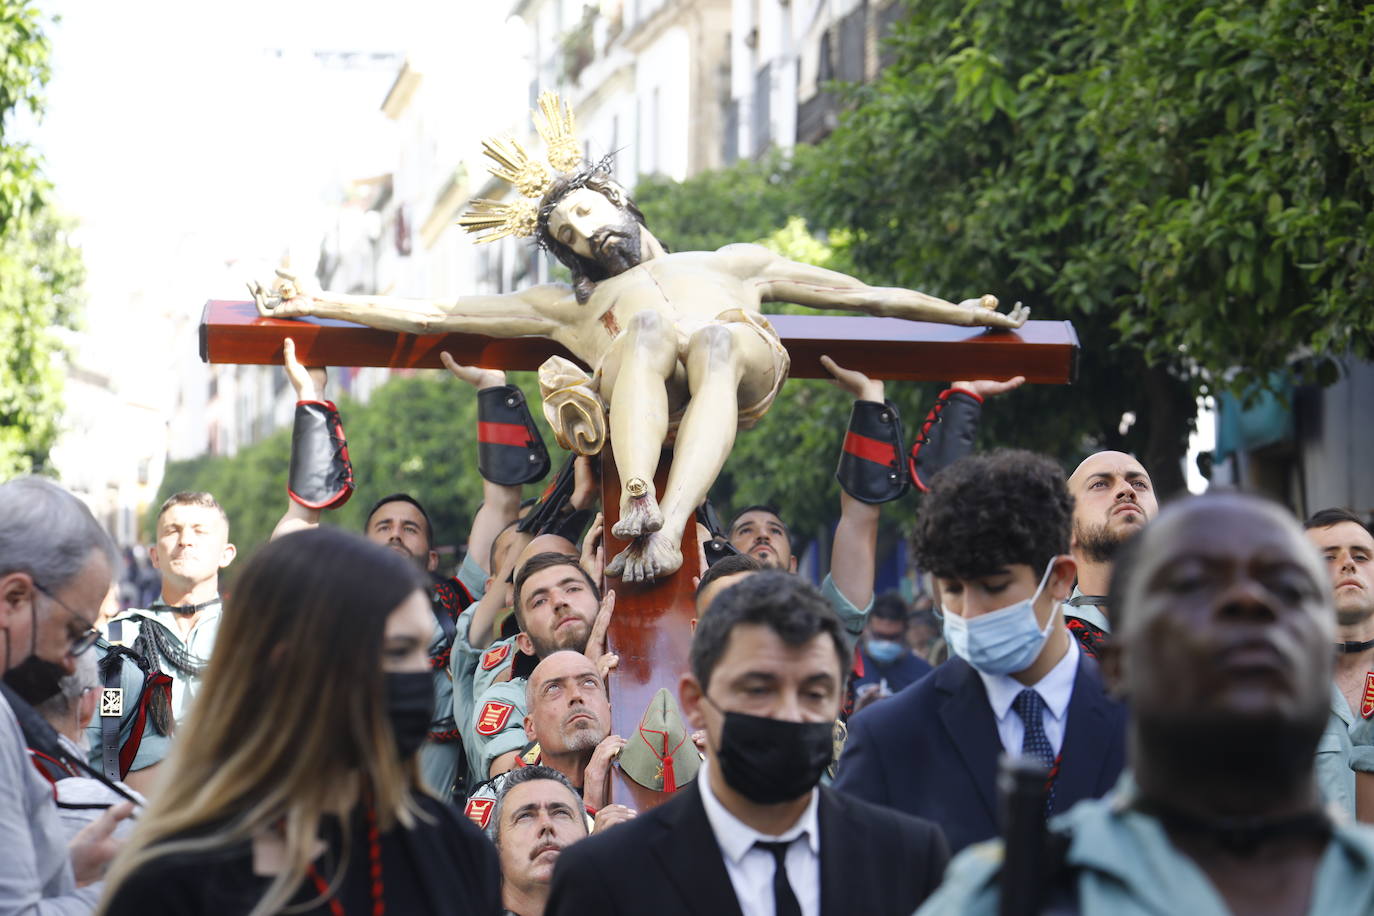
651 629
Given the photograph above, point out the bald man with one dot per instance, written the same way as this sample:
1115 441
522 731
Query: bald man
1113 499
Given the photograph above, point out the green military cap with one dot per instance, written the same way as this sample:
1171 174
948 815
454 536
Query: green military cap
660 755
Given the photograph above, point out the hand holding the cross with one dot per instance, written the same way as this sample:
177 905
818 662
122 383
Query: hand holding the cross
475 376
309 383
858 385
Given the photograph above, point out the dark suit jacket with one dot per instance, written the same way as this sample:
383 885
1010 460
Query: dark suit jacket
667 862
932 750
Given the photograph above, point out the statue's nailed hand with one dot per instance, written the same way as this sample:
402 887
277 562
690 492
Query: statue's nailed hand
288 297
983 313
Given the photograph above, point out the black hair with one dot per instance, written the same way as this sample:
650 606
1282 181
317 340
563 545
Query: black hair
727 566
586 273
783 602
889 606
989 511
542 561
525 774
1325 518
401 498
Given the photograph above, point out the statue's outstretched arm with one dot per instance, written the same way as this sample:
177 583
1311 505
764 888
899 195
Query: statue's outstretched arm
519 314
790 281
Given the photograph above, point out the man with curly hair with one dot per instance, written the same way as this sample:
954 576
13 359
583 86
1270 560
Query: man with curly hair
995 534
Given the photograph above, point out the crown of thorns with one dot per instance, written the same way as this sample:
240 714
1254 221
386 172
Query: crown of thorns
496 219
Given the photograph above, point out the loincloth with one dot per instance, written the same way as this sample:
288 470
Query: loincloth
750 414
576 411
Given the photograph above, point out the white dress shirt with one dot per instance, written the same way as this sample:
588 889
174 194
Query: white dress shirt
1055 688
751 869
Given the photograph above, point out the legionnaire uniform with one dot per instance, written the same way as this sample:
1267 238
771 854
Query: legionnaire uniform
1347 745
481 804
149 676
1085 620
1335 776
498 719
442 756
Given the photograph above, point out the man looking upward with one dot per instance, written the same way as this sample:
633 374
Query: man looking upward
675 341
1112 499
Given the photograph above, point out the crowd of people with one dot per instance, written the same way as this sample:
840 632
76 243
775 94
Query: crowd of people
1189 691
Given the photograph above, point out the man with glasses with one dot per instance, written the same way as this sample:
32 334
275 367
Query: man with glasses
55 568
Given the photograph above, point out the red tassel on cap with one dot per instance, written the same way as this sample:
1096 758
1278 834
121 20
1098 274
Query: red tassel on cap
669 779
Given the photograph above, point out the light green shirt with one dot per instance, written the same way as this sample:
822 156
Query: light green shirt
497 726
199 641
473 577
1334 775
850 616
1089 612
1126 866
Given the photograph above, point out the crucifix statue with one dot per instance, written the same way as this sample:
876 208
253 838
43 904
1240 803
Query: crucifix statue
679 350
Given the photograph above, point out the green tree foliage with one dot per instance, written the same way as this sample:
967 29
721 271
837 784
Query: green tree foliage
41 274
417 434
1187 180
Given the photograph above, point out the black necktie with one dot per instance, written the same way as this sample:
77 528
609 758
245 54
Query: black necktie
784 901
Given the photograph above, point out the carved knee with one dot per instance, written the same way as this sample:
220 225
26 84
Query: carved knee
714 343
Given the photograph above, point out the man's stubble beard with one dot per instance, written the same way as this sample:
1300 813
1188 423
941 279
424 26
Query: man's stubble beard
582 739
575 640
1099 543
1354 616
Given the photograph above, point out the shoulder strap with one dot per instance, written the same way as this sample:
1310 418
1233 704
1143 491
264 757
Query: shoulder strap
111 709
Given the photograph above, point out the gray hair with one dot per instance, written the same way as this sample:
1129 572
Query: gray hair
526 774
48 533
59 706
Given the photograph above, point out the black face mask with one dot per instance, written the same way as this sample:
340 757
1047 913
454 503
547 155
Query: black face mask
770 761
34 679
409 708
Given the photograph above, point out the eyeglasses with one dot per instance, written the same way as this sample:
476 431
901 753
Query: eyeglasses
80 641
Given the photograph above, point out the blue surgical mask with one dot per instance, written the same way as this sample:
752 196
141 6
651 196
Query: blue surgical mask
1003 641
884 651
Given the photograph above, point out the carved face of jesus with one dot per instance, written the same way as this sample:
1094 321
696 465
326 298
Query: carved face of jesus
598 230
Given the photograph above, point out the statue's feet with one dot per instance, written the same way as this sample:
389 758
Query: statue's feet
647 559
639 512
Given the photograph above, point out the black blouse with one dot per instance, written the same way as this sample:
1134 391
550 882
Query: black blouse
443 866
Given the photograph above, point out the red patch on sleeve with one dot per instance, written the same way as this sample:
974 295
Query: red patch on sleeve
493 718
1367 703
493 657
478 811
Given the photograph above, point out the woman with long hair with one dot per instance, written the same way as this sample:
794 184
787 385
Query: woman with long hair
293 785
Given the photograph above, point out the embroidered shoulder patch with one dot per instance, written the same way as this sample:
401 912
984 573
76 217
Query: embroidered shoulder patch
493 717
1367 702
478 811
493 657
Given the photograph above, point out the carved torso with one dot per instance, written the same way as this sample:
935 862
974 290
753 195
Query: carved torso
688 288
